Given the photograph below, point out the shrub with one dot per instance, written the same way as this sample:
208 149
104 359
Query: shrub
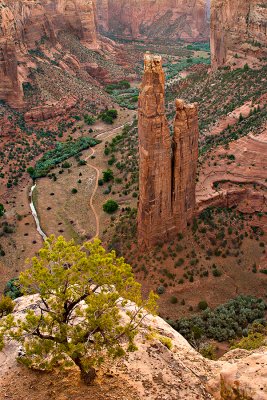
165 341
217 273
66 165
12 289
226 321
6 306
88 119
110 206
161 290
74 191
108 175
2 210
81 293
174 300
208 351
202 305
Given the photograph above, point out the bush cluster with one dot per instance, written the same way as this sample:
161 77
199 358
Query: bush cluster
228 321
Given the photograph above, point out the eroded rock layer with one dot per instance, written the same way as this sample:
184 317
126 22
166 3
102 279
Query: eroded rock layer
167 167
24 24
238 32
154 19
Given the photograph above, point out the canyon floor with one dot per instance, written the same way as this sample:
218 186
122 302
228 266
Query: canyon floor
222 254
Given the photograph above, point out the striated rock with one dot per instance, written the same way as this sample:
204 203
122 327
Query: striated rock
43 113
154 19
238 32
10 87
24 24
167 178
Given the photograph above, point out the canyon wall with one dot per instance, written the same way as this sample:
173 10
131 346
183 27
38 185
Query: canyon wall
26 23
154 19
238 32
167 167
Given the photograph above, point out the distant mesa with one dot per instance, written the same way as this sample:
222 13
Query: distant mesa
167 166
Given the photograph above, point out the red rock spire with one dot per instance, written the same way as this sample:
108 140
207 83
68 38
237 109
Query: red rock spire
167 177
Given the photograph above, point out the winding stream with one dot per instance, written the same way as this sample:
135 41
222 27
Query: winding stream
35 215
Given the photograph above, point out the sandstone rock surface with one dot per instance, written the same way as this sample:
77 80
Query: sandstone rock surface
24 24
154 371
167 167
45 112
154 19
238 32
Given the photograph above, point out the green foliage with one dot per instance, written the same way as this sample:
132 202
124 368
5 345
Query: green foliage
208 351
160 290
12 289
82 289
199 47
2 210
108 175
166 341
202 305
174 300
88 119
225 322
118 86
6 306
256 337
109 116
110 206
62 152
74 191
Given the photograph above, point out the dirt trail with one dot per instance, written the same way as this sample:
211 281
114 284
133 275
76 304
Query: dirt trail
103 135
93 194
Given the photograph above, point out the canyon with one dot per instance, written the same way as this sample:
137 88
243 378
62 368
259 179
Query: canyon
238 33
167 181
149 19
56 38
192 199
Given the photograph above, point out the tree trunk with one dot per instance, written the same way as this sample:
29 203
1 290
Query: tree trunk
87 377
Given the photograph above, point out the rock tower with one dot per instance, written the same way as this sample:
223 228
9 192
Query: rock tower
167 165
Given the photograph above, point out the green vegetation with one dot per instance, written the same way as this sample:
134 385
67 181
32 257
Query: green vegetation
199 47
2 210
226 322
62 152
6 306
89 120
13 289
108 116
118 86
82 288
123 94
110 206
256 337
107 176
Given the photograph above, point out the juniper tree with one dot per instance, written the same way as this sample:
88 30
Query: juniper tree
78 320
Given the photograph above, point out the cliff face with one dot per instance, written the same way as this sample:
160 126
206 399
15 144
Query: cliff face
154 19
167 168
25 23
238 32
